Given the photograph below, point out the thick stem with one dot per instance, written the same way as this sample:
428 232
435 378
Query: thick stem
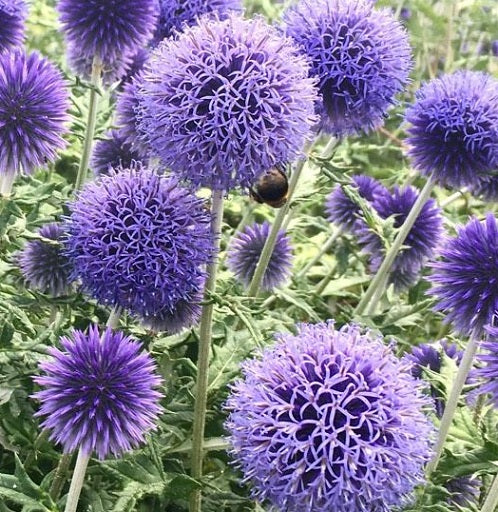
452 402
453 197
492 498
391 254
60 475
91 123
328 244
6 183
372 307
77 482
267 251
205 335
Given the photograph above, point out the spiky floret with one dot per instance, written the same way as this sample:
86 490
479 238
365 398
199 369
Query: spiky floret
245 251
225 101
139 241
113 153
420 243
454 128
330 419
465 280
33 105
343 211
100 393
13 14
43 265
360 55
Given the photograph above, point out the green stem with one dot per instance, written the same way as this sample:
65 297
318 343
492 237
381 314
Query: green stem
267 251
391 254
451 199
113 320
452 402
328 244
6 183
77 481
205 336
91 123
372 307
60 475
491 501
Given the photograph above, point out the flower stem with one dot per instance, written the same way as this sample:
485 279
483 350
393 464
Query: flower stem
372 307
6 183
77 481
391 254
60 475
325 247
205 336
451 199
452 402
113 320
267 251
91 122
491 501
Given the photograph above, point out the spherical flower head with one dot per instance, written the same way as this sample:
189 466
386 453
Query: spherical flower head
486 187
113 152
13 14
465 281
245 251
225 101
43 264
139 241
494 47
81 65
175 14
108 29
454 128
137 63
330 420
33 105
360 55
464 492
99 394
420 243
184 314
488 372
344 212
127 108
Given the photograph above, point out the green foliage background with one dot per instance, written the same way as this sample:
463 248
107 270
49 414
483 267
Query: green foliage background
154 477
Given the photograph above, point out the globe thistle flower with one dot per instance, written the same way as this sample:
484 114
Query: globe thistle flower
33 104
465 280
43 265
489 371
344 212
454 128
420 244
127 108
113 153
13 14
225 101
405 13
494 47
463 491
175 14
108 30
330 420
99 394
137 63
139 241
361 57
246 248
81 65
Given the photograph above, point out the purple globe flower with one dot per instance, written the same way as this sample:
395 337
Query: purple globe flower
99 394
139 241
81 65
43 265
108 29
494 47
330 420
226 101
113 153
13 14
464 492
361 57
405 13
175 14
346 213
466 279
127 110
488 373
33 104
420 243
245 250
486 187
454 128
137 63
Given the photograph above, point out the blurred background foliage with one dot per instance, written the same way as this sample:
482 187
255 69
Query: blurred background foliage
445 35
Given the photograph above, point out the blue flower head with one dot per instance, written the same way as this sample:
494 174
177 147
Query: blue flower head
13 14
329 419
360 55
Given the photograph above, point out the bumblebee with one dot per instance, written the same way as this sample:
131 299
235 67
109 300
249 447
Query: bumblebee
272 188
